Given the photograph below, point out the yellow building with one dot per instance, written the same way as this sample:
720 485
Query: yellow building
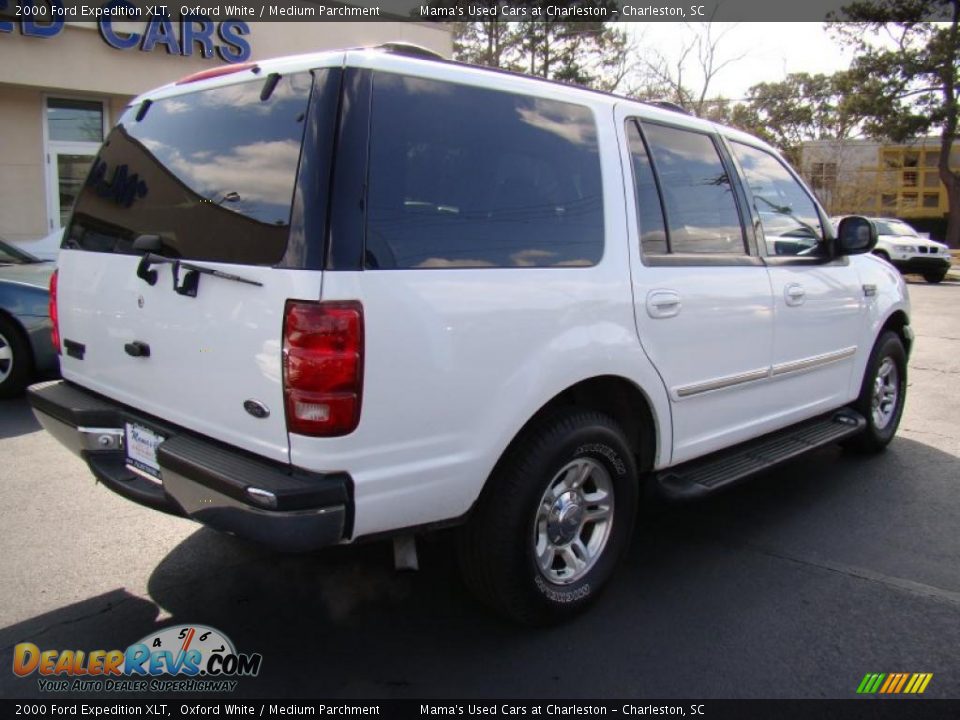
872 178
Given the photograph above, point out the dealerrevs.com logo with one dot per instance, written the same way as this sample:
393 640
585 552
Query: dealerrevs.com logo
183 658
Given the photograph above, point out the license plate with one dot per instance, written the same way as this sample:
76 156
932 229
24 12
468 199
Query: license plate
142 450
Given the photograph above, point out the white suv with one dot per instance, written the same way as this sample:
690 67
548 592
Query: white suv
904 248
368 293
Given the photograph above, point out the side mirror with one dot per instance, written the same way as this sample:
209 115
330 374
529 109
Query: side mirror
856 235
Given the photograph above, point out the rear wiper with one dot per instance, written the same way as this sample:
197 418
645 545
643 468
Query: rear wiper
191 280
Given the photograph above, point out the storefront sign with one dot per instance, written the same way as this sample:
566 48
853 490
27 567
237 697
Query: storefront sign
182 37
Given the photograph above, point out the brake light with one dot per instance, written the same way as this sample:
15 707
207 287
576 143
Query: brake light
216 72
322 367
52 312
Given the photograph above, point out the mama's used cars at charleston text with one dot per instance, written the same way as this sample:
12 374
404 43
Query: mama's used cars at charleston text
369 293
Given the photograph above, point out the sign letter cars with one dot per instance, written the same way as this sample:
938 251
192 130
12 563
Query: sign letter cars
226 39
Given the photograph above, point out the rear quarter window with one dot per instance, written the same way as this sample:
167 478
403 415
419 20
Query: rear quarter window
468 177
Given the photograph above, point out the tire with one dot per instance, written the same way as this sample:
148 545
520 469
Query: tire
16 361
935 277
888 363
522 515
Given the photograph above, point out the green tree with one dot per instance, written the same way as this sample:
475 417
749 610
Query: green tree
907 87
800 107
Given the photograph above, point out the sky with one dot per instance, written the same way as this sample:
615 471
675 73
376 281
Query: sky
772 50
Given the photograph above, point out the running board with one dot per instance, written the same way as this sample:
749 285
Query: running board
706 475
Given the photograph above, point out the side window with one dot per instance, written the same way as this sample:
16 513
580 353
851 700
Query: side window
468 177
701 210
791 224
653 233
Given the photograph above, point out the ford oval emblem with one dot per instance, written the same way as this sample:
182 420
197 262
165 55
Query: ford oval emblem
256 408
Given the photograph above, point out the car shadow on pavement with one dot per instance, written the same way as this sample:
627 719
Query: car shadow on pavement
109 621
722 598
16 418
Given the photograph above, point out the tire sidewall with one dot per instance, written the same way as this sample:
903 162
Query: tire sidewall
17 379
604 445
889 345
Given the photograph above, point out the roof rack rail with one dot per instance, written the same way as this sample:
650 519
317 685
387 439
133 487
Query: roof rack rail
668 105
410 50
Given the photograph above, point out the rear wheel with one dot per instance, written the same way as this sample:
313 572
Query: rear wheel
555 518
882 393
935 277
16 363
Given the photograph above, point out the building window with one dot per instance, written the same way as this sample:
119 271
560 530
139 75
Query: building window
74 130
823 176
931 158
909 201
910 178
911 158
888 201
931 200
75 120
931 179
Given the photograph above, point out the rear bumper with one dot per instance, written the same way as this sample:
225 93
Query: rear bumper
223 487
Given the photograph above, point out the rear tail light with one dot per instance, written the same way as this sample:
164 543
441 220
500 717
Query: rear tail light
322 367
52 312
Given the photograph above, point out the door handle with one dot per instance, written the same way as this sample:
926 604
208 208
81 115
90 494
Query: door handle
663 303
794 294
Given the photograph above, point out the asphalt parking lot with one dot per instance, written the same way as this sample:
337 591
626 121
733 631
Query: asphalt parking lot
794 585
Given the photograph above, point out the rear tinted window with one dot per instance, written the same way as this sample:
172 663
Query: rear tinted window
211 173
468 177
653 234
702 214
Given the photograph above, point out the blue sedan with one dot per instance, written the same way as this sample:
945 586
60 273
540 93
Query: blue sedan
26 346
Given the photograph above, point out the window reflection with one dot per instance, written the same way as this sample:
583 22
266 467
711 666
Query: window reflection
791 224
701 211
212 173
469 177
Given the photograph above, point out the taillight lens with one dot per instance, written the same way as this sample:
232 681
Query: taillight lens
322 367
52 312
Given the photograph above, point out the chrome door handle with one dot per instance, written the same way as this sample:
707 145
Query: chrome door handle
663 303
794 294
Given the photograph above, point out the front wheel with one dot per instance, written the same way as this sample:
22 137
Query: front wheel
882 393
935 277
556 516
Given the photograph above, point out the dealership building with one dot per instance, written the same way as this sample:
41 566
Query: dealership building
63 84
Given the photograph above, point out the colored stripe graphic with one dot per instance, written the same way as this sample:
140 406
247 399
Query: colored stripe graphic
894 683
891 680
914 681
